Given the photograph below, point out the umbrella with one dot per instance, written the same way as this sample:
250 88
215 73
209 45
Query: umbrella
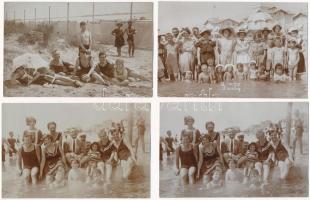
259 20
29 60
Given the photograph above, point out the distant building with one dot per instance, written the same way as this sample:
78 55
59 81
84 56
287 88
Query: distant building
283 17
218 23
300 20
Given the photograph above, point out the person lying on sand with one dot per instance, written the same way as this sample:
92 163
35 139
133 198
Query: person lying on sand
85 68
123 75
26 76
59 66
104 68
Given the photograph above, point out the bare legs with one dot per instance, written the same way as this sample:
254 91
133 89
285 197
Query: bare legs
30 174
187 175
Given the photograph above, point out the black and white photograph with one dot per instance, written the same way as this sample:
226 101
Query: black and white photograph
78 49
234 149
233 49
76 150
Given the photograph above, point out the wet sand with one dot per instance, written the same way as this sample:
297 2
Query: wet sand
246 89
296 186
141 63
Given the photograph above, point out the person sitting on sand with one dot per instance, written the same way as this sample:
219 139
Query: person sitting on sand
85 68
216 182
41 76
28 160
187 154
104 68
123 152
59 66
123 75
279 75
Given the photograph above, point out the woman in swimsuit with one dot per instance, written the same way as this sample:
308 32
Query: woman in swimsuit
52 158
124 153
106 149
118 33
57 136
28 160
187 154
209 159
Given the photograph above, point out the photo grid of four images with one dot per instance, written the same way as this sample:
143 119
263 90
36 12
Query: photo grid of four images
217 91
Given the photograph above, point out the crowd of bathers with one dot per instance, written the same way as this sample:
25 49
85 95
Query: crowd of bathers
69 158
85 69
217 159
207 56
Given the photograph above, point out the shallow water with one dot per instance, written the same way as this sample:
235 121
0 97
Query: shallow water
295 187
245 89
12 186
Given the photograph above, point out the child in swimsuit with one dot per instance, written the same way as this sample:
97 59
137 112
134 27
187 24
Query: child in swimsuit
279 75
253 71
231 176
293 58
75 173
204 76
216 181
229 74
278 53
219 73
239 74
252 157
263 75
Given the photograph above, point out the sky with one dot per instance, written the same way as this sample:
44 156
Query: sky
59 9
223 114
65 115
189 14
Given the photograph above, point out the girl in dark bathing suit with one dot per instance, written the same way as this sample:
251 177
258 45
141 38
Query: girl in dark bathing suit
187 154
28 160
124 153
52 158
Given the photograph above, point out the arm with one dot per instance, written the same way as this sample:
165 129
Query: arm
200 161
19 161
38 152
63 158
198 56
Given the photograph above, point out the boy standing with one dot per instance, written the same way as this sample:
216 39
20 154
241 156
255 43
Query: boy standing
85 38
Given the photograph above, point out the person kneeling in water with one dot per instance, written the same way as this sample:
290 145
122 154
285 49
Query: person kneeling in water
41 76
123 75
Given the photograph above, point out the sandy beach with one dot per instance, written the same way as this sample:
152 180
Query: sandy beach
141 63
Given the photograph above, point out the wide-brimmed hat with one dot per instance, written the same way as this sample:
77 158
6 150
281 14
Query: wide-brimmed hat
252 61
230 29
291 29
119 23
203 32
242 30
277 25
266 29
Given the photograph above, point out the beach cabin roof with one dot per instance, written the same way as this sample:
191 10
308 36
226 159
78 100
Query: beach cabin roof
220 21
299 15
281 11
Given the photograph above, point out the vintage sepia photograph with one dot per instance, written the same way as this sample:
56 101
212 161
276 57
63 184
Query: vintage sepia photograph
233 49
70 150
234 149
78 49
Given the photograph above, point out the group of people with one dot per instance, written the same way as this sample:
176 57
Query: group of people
69 158
85 70
205 57
226 159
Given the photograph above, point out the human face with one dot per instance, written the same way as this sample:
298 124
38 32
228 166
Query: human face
210 127
185 34
231 135
252 148
11 134
169 133
195 31
274 136
31 122
103 58
294 33
116 135
240 68
252 65
47 141
277 29
74 134
204 68
95 147
242 35
210 62
219 69
277 43
52 127
279 71
74 164
226 33
190 122
175 32
83 27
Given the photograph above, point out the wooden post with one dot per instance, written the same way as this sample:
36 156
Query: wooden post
130 122
93 26
35 17
68 18
49 15
131 4
14 17
289 122
24 16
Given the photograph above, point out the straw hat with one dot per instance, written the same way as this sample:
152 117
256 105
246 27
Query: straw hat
266 29
230 29
206 31
241 31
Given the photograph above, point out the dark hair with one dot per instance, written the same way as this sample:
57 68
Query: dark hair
251 144
209 122
102 53
206 136
19 68
50 123
49 136
83 23
94 143
278 65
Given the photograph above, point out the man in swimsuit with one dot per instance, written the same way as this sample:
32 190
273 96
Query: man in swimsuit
131 31
59 66
104 68
170 141
57 136
85 39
